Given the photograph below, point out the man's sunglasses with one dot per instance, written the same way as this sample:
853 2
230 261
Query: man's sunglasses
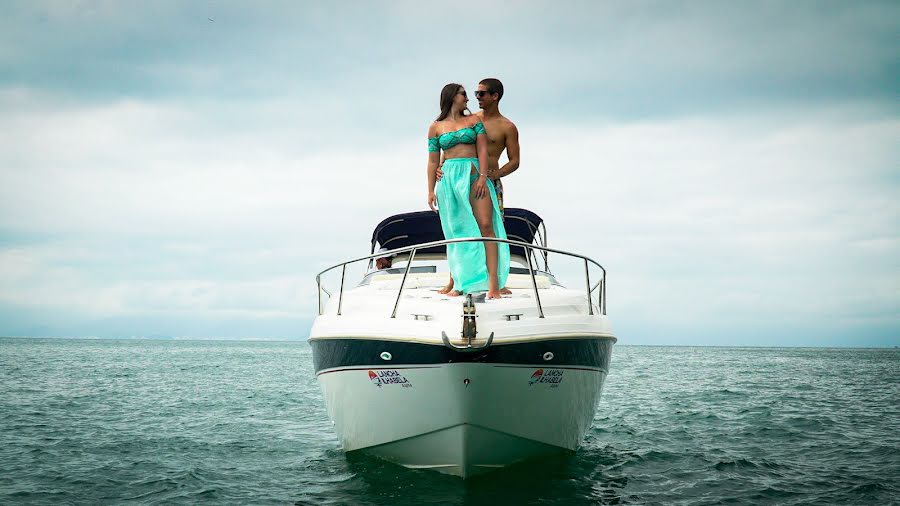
481 93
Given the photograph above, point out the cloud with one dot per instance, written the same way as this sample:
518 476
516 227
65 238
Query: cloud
580 60
701 221
709 226
733 168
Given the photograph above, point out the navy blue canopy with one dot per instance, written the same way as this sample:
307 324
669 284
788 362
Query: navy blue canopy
420 227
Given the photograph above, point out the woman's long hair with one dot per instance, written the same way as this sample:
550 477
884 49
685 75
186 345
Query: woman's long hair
447 95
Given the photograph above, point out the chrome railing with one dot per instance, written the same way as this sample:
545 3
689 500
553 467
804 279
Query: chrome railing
600 286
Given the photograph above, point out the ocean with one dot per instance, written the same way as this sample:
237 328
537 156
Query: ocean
236 422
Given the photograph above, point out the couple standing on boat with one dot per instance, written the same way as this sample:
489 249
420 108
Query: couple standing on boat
464 181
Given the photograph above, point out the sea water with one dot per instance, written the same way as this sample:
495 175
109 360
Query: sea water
187 422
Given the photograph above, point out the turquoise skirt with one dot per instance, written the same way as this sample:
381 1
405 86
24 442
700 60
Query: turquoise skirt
467 260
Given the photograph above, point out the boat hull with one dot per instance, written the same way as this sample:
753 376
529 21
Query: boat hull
427 406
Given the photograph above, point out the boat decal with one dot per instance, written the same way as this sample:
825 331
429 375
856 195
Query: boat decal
552 377
342 369
387 377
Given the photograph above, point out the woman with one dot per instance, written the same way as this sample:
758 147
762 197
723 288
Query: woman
466 197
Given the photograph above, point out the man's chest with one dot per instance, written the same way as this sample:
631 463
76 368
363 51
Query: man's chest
496 137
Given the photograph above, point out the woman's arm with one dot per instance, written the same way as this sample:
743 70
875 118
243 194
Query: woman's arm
434 156
440 169
433 159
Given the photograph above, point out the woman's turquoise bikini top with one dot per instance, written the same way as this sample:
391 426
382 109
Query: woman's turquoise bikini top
447 140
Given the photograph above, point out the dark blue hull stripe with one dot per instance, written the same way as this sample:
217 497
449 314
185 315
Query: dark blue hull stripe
347 353
402 368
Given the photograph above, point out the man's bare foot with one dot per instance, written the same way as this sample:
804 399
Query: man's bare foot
447 288
505 291
454 293
493 294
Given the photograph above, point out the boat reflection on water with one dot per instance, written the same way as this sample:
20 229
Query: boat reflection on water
568 478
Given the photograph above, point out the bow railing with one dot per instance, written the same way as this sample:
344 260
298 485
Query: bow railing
599 286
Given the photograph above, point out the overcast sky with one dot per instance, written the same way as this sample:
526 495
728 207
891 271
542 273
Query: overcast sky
185 168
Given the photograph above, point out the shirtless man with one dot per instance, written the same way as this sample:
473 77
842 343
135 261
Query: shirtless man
501 135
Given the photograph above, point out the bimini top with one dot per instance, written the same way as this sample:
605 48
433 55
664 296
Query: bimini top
408 229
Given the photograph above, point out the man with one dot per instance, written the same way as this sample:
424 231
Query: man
384 262
502 134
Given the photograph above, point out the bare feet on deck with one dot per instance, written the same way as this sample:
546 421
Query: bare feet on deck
446 289
454 293
505 291
493 294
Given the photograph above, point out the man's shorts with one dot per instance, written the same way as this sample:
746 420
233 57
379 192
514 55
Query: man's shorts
498 189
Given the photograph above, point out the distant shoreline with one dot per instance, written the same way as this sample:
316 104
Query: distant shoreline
161 338
303 339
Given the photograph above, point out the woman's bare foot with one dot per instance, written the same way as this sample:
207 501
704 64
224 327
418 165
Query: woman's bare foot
454 293
493 294
447 288
505 291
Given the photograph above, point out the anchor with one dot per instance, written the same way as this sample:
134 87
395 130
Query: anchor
469 330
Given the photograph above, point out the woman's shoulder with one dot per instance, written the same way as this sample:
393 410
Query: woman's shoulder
473 119
444 126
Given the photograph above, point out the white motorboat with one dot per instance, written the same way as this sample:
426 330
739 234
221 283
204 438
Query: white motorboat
460 385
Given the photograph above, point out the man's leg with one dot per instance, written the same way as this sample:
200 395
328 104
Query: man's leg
483 210
498 189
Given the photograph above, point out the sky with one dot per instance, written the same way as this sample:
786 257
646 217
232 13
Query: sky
186 168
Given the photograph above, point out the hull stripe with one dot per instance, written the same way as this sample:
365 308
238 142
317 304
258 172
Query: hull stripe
401 368
593 369
586 352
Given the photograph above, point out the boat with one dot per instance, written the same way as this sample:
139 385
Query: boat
460 385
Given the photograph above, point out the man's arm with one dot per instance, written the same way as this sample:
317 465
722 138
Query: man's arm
512 152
